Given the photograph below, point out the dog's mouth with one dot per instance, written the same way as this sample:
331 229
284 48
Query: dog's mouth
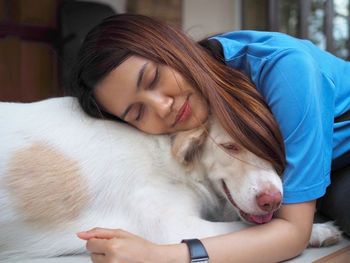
256 219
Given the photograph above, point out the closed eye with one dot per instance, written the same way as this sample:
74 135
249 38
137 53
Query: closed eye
231 147
141 108
141 111
155 79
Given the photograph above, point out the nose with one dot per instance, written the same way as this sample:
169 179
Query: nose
269 201
161 103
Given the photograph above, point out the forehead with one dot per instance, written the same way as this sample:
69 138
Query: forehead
125 73
115 90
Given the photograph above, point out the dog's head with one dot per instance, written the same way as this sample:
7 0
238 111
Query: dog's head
248 182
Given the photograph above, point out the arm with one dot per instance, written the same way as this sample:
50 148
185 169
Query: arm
284 237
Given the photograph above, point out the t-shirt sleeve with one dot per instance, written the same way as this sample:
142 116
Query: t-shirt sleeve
290 82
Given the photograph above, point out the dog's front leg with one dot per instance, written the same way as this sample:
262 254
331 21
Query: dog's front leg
324 234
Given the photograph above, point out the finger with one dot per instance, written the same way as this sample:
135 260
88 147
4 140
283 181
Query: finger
102 233
97 246
97 258
84 235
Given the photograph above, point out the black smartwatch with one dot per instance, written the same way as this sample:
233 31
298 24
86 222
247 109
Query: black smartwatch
198 252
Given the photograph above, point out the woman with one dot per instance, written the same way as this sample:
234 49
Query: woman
276 95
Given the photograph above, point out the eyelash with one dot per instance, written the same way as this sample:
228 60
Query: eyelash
141 110
151 86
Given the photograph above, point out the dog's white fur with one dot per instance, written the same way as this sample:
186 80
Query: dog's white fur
62 172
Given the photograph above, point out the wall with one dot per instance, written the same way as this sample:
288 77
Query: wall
202 18
28 66
118 5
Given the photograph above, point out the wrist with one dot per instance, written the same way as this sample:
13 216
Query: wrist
197 251
176 253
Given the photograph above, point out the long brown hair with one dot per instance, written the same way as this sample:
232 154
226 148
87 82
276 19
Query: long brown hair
232 96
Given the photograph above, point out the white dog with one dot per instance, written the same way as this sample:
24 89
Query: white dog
62 172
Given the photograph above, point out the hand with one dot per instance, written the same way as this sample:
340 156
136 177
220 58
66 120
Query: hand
119 246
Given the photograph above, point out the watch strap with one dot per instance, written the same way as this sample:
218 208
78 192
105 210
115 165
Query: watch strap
198 253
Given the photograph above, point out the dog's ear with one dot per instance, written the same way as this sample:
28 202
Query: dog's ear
187 145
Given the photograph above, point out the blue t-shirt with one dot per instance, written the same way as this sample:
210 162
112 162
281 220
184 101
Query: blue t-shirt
305 88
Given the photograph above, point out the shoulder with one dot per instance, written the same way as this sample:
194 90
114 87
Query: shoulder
255 43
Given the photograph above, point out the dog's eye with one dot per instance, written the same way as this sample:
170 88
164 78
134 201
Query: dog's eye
230 147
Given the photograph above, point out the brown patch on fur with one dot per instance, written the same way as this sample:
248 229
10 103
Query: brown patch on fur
187 145
45 185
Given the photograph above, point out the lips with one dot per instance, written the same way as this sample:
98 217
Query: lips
184 112
257 219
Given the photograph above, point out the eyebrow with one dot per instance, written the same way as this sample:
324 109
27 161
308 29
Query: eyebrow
138 84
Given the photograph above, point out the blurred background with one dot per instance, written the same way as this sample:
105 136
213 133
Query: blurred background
39 38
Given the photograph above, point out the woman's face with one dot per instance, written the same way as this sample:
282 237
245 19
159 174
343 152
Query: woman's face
154 98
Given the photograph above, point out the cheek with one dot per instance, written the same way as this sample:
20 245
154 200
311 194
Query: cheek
175 82
200 109
214 163
222 165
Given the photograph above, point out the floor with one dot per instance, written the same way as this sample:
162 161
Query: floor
310 255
